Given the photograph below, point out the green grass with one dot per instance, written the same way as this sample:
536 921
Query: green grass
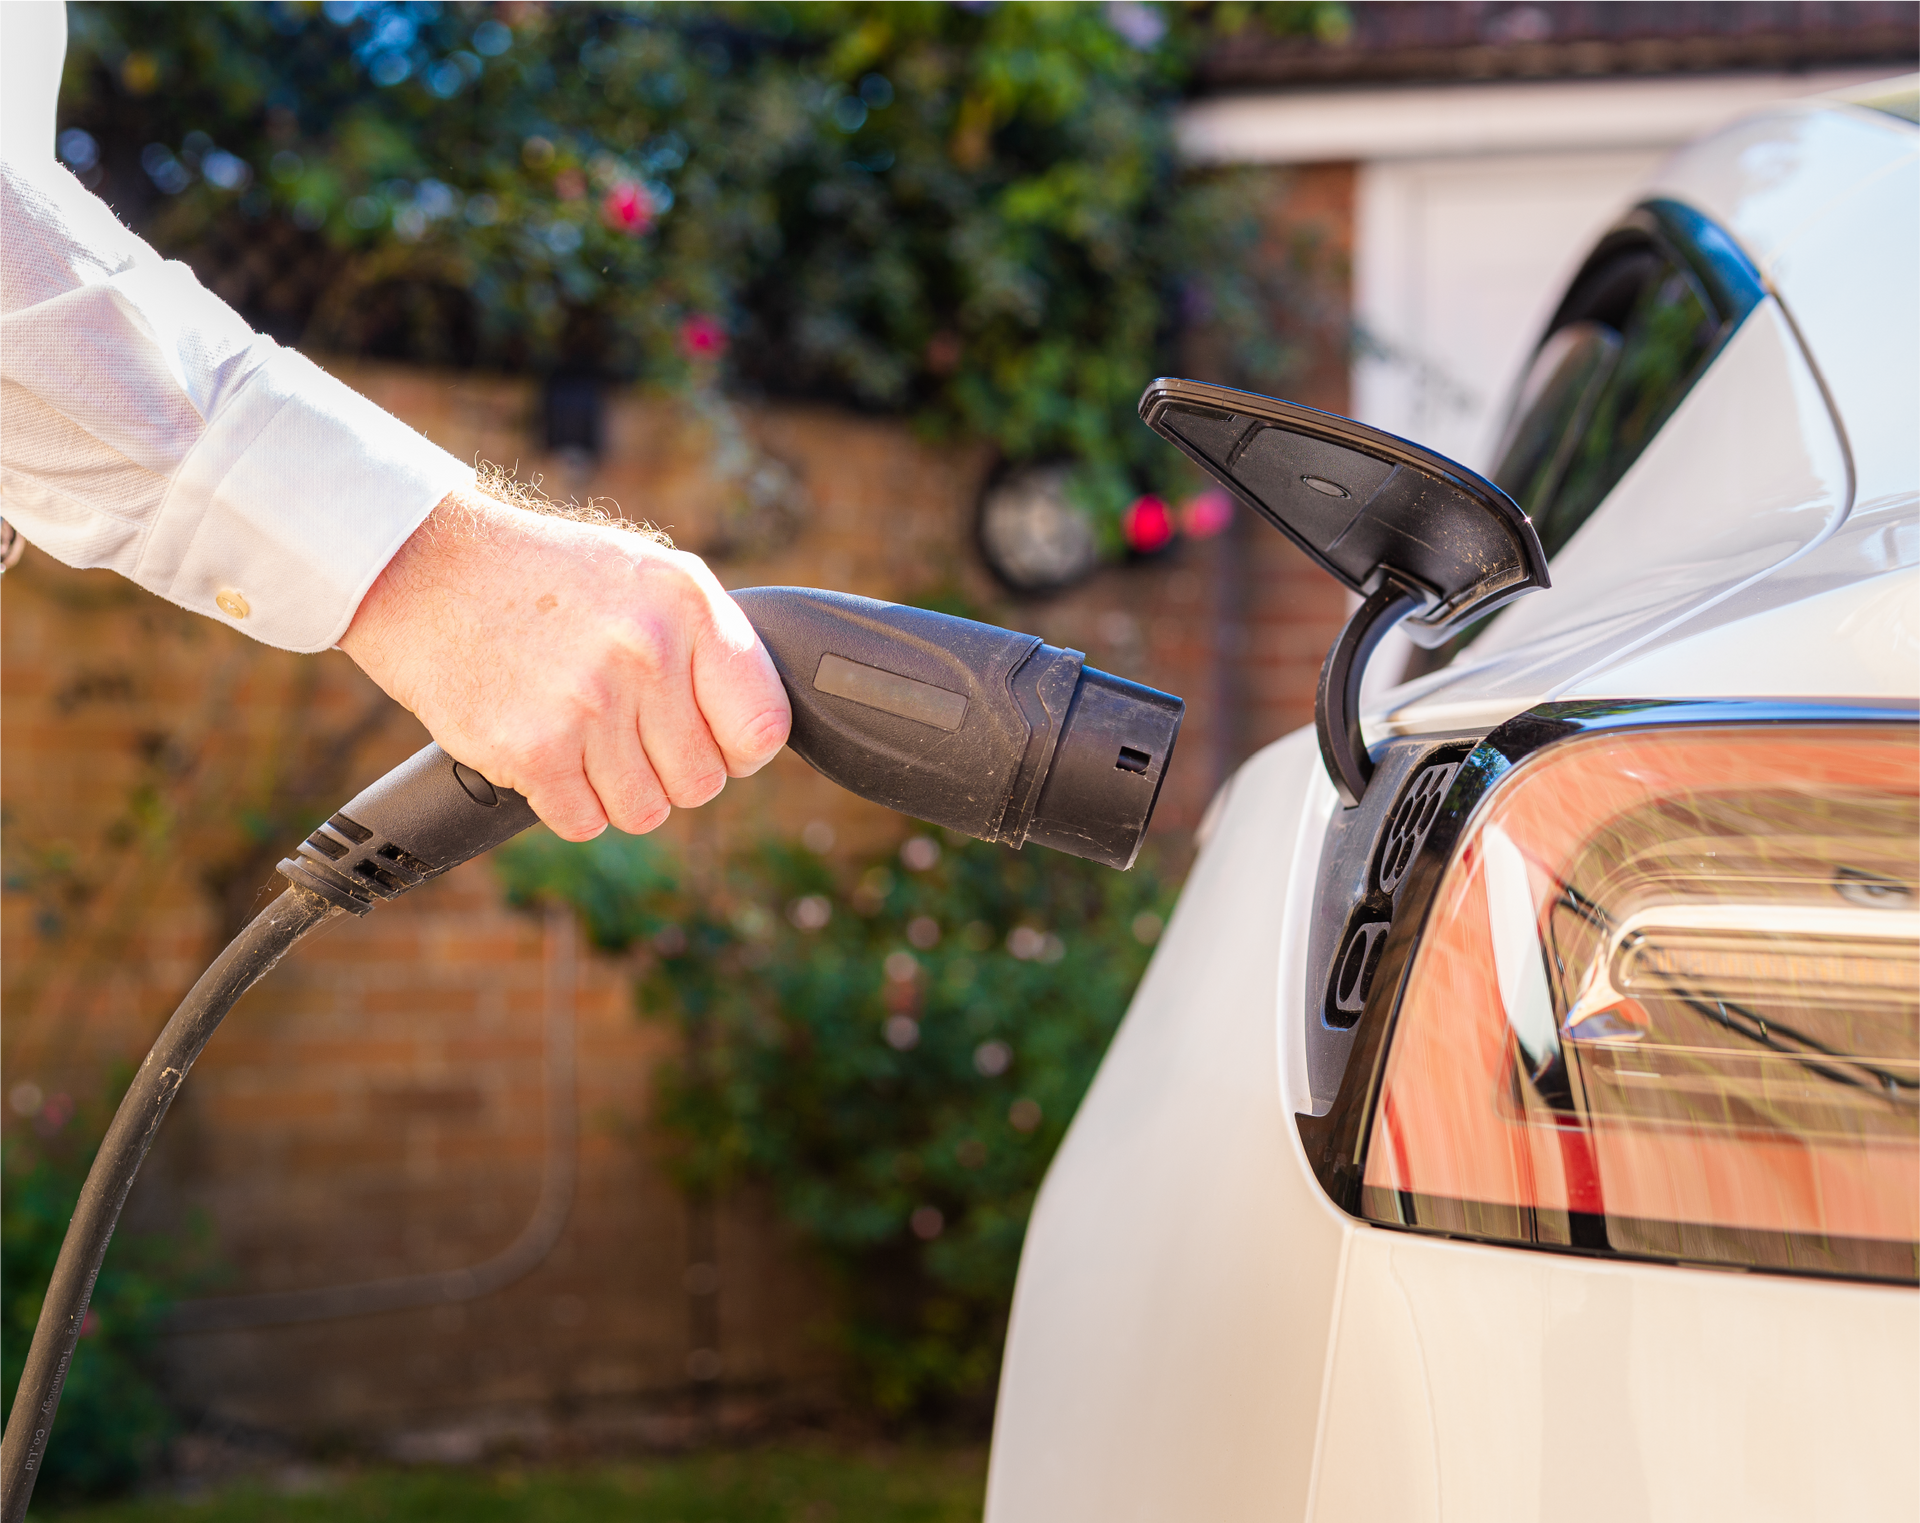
784 1484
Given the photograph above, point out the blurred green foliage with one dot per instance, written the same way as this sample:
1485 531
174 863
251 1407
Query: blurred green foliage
894 1050
971 215
770 1484
113 1419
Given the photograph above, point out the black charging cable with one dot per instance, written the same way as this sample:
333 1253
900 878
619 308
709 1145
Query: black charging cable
991 733
249 956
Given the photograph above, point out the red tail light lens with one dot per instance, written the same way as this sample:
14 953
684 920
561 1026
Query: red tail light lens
1668 1004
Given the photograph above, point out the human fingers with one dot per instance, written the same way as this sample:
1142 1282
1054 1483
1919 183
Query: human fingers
736 686
679 744
647 660
551 774
627 785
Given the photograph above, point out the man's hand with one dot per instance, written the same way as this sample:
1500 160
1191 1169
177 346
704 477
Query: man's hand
600 673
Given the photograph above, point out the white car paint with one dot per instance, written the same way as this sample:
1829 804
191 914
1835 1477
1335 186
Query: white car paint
1476 1383
1197 1331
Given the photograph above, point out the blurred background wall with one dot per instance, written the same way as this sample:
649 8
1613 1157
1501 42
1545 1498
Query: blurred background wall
454 1079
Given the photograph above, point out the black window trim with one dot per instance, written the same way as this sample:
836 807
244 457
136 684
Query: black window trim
1729 280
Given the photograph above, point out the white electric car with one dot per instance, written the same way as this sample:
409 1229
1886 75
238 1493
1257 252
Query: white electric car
1538 1138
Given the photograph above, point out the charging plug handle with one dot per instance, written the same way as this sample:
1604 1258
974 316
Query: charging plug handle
992 734
427 815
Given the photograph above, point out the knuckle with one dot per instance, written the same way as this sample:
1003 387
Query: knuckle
587 703
698 575
544 760
765 733
646 649
641 818
632 795
696 789
703 600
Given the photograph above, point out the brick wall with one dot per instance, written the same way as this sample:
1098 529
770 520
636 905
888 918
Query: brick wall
376 1107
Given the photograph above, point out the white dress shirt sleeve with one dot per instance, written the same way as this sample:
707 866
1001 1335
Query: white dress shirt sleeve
146 428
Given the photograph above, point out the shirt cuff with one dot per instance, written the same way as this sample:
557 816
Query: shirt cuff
290 504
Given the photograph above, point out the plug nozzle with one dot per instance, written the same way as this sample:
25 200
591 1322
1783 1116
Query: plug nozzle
1107 769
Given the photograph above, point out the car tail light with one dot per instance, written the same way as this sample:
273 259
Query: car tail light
1667 1003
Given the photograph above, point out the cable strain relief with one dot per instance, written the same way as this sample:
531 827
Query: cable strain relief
329 887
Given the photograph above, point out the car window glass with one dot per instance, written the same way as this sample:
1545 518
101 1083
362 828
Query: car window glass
1599 390
1639 325
1552 411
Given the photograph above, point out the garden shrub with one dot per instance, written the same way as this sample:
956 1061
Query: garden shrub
893 1050
970 215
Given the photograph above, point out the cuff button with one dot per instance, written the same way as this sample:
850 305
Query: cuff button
231 603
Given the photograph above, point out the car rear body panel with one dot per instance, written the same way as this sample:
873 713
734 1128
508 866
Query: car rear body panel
1176 1292
1198 1331
1475 1383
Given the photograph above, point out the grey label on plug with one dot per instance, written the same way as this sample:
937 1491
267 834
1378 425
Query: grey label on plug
890 693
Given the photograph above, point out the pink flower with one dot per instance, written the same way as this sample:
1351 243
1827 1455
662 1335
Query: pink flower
702 337
1146 525
53 1115
1205 515
628 208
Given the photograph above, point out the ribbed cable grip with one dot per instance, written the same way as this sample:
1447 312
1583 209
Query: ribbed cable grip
427 815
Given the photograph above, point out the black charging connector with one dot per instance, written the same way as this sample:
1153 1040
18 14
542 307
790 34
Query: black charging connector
997 735
990 733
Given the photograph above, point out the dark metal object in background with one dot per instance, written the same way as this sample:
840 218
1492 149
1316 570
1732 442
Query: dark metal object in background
1031 537
1420 537
573 411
